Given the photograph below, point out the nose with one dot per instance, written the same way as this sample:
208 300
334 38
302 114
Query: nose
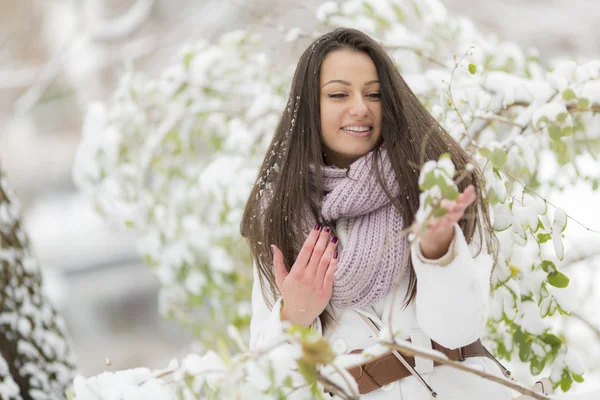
358 107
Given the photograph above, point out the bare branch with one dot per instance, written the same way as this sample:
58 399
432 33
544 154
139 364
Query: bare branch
497 118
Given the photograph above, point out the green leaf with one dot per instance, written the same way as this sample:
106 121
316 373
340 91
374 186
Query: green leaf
548 266
583 103
562 117
307 370
568 94
369 8
565 384
578 378
399 13
429 181
524 352
417 10
439 212
558 279
187 59
551 339
485 152
543 237
499 158
554 132
567 131
450 193
537 365
472 69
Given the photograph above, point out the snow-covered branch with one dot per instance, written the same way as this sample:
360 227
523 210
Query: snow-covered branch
155 160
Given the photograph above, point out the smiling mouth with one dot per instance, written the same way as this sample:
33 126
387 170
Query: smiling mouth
358 131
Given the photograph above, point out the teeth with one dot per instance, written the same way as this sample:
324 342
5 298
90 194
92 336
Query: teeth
357 128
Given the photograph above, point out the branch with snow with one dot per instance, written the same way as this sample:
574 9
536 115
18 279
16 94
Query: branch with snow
175 157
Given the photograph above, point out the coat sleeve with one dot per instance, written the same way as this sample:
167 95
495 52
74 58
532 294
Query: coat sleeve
266 325
452 301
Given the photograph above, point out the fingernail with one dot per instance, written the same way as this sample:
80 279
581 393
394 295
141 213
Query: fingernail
335 254
327 229
334 240
317 227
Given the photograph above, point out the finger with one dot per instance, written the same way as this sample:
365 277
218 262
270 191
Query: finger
325 261
446 220
329 275
279 266
308 246
468 196
318 252
449 205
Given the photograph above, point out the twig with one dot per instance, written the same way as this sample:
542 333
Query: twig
409 351
514 178
498 119
420 53
456 65
336 388
573 109
345 379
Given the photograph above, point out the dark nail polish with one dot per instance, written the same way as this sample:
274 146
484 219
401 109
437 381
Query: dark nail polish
334 240
335 254
317 227
327 229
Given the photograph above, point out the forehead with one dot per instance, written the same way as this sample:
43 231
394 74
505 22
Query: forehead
348 65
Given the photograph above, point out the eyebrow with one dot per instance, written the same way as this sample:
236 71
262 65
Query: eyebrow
343 82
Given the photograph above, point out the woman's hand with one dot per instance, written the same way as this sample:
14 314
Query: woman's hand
308 287
438 236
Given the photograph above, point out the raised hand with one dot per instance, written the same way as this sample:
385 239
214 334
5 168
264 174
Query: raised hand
436 239
307 287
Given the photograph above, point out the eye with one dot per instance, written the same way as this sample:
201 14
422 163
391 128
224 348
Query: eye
336 95
374 95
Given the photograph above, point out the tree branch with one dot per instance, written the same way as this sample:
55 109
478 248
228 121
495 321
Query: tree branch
420 53
409 351
514 178
497 118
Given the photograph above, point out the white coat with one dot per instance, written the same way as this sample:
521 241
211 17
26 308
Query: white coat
451 307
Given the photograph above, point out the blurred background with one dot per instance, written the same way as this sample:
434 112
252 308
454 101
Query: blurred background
57 56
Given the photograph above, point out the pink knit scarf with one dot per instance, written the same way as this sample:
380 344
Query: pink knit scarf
372 258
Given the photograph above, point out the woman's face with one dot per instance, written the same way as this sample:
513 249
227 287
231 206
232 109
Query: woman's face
350 106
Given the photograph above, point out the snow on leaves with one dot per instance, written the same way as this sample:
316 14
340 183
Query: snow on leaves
175 157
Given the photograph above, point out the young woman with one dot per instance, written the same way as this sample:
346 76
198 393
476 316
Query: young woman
324 222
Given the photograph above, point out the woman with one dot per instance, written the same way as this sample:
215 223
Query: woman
325 220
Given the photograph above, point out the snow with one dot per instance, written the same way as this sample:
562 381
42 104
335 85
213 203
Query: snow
187 208
551 111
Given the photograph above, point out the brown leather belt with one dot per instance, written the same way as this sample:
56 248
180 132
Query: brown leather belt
388 369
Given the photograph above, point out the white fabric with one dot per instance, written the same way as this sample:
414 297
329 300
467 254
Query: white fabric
451 308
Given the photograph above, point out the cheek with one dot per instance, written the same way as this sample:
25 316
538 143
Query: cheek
330 120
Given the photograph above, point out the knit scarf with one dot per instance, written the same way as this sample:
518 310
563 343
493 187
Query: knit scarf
372 258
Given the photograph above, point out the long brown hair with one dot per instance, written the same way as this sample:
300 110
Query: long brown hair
283 189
